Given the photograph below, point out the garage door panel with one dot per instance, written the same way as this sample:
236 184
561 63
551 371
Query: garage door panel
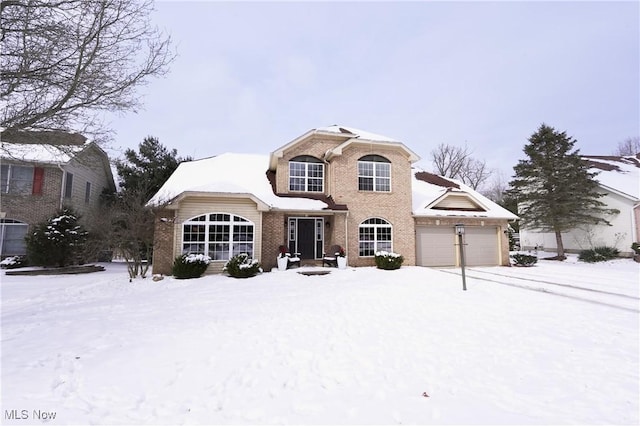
481 247
435 246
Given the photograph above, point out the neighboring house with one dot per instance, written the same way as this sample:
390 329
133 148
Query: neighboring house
619 181
330 186
42 172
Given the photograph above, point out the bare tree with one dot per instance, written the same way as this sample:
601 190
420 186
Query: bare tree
630 146
64 61
457 163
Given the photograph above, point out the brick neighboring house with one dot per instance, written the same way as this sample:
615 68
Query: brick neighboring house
42 172
330 186
619 180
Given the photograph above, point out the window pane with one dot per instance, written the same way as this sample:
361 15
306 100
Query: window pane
365 184
194 248
194 233
383 170
242 233
365 169
384 246
366 248
243 248
87 192
383 234
219 251
4 178
219 233
383 184
296 184
297 169
20 180
12 237
68 185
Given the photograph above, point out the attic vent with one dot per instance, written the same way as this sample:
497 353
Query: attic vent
456 202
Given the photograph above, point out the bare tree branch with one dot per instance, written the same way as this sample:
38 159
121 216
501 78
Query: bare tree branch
630 146
64 62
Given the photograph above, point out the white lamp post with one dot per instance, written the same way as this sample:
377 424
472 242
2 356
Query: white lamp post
460 232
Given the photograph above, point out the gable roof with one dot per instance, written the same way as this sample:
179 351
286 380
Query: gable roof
54 148
435 195
235 175
617 174
349 136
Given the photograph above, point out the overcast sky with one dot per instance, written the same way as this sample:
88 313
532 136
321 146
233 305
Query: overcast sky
250 77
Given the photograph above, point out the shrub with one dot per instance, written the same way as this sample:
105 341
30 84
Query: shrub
57 242
190 266
521 259
14 262
240 266
388 261
598 254
636 248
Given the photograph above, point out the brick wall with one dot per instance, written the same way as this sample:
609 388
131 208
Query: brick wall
33 209
163 242
274 235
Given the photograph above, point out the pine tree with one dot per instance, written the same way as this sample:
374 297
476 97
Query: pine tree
147 171
554 188
58 241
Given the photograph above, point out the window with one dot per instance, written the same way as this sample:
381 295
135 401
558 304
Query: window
374 174
87 192
219 235
374 235
12 233
68 185
17 179
306 174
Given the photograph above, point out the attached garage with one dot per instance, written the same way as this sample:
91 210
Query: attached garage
437 246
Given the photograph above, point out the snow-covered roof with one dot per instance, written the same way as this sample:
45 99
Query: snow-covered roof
246 175
230 174
356 133
427 198
40 153
621 174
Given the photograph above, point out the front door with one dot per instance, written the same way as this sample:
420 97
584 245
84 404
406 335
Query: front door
306 237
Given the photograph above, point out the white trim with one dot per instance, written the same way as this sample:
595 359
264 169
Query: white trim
375 226
207 223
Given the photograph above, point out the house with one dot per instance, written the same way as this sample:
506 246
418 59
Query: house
619 180
42 172
334 185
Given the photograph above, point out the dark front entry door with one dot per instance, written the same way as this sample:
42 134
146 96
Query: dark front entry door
306 238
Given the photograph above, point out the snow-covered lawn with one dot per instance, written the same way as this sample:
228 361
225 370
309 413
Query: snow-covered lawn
357 346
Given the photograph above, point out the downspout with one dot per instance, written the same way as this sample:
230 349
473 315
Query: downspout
346 229
61 186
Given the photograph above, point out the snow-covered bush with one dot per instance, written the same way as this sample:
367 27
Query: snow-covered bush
598 254
190 265
636 248
241 266
388 260
522 259
13 262
57 242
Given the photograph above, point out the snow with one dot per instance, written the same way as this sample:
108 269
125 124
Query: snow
230 173
425 193
557 343
360 134
39 152
625 179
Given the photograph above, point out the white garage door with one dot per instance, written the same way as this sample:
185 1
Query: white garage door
435 246
481 247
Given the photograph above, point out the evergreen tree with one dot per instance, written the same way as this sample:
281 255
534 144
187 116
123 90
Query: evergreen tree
58 241
554 188
147 171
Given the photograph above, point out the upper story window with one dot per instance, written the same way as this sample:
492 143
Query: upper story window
306 174
374 173
21 179
68 185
